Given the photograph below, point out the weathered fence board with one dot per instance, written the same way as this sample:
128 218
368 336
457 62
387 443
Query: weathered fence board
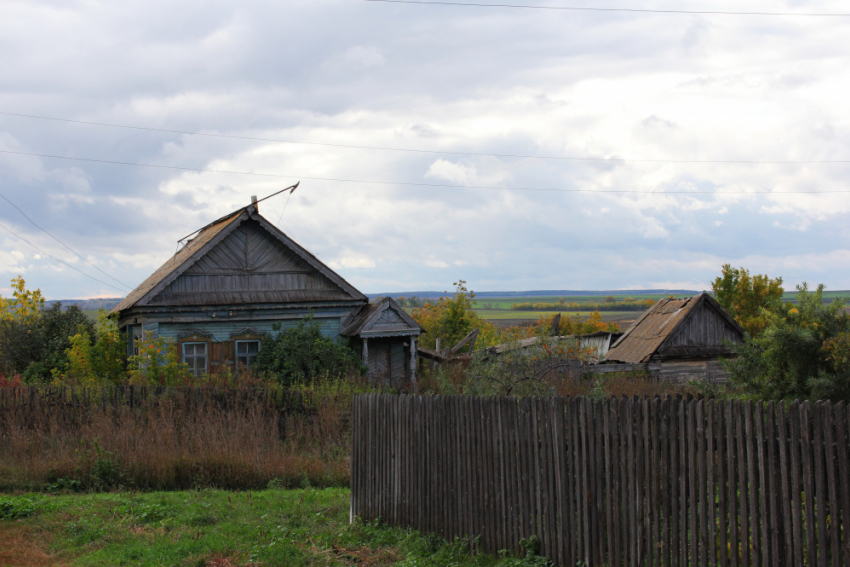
663 482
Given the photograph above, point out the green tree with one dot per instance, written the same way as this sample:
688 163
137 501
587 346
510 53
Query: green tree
93 362
747 298
803 352
303 354
58 326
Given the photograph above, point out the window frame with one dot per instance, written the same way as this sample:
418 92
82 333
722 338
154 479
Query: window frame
236 356
206 355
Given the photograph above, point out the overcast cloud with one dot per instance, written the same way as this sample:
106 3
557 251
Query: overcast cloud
496 81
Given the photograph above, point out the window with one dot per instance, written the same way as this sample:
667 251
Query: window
195 355
246 353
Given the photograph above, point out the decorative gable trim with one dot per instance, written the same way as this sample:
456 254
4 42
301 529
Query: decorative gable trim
247 331
195 333
367 321
233 221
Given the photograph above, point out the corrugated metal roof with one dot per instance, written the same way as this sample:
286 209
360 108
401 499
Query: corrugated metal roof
646 334
207 234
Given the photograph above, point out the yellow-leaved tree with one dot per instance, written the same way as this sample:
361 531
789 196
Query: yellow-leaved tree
748 299
451 318
158 363
20 329
23 305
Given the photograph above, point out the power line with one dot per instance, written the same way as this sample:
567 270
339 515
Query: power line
62 243
426 151
634 10
419 184
7 229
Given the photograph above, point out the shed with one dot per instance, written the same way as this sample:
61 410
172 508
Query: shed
681 339
219 296
386 335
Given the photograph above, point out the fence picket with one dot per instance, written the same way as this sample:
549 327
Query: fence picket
618 482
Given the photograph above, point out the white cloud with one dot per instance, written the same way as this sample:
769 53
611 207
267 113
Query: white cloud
328 71
353 261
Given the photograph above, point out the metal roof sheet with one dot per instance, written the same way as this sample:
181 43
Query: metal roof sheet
643 338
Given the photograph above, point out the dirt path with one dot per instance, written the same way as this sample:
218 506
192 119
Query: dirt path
18 548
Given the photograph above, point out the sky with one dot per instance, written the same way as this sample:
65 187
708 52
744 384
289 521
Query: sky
673 109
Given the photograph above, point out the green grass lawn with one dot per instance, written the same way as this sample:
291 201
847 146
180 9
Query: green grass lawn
214 528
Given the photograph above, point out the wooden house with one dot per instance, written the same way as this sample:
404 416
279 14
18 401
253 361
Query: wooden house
218 297
680 339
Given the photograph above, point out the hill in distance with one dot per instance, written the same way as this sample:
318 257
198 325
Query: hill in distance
87 304
539 293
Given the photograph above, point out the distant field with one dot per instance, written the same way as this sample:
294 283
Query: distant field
510 318
827 295
496 314
488 303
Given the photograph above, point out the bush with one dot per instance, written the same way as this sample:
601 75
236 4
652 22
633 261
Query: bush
802 352
304 355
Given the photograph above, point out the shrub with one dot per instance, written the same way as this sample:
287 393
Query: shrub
304 355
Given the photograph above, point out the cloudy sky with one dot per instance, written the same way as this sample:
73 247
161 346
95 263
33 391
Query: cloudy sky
647 93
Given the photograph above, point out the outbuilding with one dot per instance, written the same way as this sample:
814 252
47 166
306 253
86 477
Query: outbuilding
680 339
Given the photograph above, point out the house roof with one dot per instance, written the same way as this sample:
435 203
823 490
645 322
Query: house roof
660 322
383 319
207 239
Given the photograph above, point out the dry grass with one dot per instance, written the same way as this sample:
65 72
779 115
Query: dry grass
18 548
171 445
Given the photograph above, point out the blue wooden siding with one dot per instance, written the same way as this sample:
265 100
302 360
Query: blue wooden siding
222 329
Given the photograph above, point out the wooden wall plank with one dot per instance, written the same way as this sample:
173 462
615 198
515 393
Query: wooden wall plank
828 421
764 546
808 482
843 474
820 483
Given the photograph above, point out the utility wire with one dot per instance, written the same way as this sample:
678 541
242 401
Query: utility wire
415 184
62 243
637 10
7 229
438 152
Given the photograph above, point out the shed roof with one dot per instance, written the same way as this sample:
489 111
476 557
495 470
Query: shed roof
211 235
658 323
383 319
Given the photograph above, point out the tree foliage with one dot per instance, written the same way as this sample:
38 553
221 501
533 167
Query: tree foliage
303 354
802 352
35 340
451 318
94 361
748 299
578 325
157 363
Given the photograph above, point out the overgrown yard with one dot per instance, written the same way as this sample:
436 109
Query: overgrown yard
213 528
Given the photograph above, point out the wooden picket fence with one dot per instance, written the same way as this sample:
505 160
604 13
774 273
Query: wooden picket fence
652 481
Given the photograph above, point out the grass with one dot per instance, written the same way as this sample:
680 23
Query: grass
307 527
175 444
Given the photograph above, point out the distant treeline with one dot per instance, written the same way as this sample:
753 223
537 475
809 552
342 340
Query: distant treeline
609 304
106 303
